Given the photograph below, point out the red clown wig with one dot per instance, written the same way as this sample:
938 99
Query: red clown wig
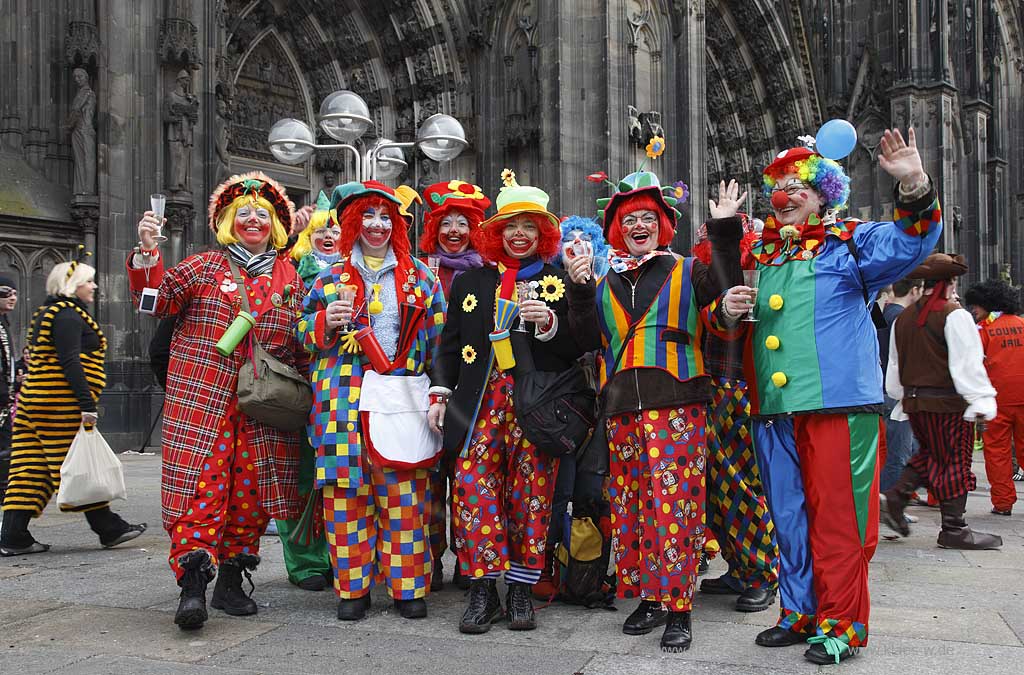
641 201
491 241
432 226
351 220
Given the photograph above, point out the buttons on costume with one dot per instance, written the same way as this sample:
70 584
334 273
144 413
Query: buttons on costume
771 342
779 379
775 302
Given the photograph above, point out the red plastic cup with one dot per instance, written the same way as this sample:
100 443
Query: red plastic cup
374 352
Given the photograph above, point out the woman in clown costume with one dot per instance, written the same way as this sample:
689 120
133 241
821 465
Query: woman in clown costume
371 321
647 316
224 473
816 406
451 223
501 496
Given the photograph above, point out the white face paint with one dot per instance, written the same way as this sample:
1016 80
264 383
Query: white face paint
640 231
453 233
376 231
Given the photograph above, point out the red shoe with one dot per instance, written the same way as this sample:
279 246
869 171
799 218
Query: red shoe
547 586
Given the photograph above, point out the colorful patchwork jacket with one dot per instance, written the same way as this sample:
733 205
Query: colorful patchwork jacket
337 367
813 347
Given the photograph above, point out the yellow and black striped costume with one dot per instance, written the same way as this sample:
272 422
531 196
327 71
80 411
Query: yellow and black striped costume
50 410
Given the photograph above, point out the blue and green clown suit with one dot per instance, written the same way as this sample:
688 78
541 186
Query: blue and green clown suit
816 396
376 518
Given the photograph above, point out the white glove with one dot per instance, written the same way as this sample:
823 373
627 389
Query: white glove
983 407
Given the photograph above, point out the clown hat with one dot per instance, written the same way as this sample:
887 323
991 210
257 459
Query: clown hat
257 184
345 193
787 157
633 184
323 203
514 199
407 196
456 194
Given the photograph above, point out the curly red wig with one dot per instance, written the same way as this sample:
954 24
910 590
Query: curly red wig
490 242
432 226
641 201
351 221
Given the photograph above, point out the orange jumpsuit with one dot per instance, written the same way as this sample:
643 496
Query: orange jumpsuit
1003 341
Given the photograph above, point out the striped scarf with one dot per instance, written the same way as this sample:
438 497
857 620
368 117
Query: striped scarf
255 264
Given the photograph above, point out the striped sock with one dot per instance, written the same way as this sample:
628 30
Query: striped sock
490 575
520 574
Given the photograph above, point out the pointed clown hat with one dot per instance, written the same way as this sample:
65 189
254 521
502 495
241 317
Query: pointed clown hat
514 199
257 184
407 196
346 192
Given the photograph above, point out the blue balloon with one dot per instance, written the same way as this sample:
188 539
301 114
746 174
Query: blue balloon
836 139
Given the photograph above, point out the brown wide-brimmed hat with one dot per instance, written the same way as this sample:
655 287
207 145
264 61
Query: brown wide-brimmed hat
940 266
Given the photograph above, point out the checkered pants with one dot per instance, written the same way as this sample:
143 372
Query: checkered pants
378 533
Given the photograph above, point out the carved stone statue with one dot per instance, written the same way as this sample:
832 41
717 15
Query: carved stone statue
80 125
181 112
222 133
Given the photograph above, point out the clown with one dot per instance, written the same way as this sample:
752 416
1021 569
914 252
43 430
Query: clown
450 226
816 406
316 247
371 321
646 317
473 387
737 510
224 473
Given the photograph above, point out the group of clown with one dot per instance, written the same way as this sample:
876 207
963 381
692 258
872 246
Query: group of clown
717 427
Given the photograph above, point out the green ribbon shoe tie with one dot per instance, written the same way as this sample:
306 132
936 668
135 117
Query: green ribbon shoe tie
834 647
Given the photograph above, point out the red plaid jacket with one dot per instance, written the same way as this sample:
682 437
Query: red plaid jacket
201 383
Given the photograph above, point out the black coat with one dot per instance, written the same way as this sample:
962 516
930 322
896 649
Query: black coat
462 328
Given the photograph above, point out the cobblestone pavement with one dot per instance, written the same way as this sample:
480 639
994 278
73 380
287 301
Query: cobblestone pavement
81 609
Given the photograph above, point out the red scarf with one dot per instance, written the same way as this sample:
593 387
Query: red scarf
936 302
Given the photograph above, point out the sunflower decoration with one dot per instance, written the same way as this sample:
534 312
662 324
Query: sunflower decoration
508 177
551 288
655 147
469 303
468 354
464 190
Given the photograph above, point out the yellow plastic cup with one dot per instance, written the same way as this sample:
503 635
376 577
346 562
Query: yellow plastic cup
503 350
235 333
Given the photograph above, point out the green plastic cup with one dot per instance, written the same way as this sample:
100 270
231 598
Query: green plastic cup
235 333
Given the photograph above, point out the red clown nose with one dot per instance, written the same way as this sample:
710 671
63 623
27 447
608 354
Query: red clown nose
780 199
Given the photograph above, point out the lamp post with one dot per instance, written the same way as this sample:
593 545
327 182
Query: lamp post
345 117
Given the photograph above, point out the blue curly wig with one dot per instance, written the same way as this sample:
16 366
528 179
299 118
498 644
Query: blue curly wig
591 227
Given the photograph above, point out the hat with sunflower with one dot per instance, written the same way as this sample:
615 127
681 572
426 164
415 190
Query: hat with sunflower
447 196
514 199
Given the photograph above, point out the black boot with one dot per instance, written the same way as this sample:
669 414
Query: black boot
955 532
483 607
353 609
777 636
198 572
646 617
112 528
15 538
412 609
827 650
678 634
755 599
519 606
894 500
228 594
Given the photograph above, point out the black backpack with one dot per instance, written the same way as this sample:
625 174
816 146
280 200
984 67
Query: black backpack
556 411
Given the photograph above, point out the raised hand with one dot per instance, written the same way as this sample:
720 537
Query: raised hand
301 219
900 159
729 200
149 227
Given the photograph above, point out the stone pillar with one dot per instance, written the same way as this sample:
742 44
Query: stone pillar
179 219
690 130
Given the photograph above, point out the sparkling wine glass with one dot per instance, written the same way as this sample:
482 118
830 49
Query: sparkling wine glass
525 292
751 279
158 203
348 292
434 264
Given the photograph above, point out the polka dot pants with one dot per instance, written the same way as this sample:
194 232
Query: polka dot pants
225 517
501 495
657 490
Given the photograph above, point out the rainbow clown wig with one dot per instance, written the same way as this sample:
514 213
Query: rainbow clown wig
824 175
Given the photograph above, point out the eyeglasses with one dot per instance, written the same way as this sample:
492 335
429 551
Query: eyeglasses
7 292
647 220
791 188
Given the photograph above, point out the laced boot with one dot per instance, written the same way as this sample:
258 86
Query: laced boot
678 634
228 594
519 607
198 572
647 616
483 607
894 500
955 532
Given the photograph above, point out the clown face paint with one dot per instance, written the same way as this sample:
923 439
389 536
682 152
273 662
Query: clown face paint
793 200
640 231
576 242
252 227
376 231
520 237
325 240
453 234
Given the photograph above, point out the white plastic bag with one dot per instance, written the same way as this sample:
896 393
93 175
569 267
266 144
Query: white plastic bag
91 472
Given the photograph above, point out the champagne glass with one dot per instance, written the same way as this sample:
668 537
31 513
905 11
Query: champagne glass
347 292
751 279
524 292
582 247
157 203
434 264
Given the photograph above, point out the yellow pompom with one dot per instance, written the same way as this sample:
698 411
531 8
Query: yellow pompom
376 307
771 342
775 302
779 379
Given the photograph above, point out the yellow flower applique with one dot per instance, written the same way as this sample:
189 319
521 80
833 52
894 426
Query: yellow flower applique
655 147
468 354
551 288
469 303
508 177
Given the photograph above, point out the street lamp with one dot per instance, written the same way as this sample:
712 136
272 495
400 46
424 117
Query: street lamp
344 116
